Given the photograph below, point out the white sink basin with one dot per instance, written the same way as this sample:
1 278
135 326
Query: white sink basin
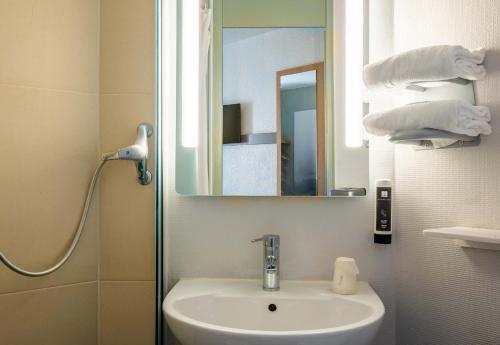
239 312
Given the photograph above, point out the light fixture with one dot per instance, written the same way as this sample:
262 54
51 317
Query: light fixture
354 61
190 72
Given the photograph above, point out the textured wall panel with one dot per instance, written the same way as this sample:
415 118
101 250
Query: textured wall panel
447 295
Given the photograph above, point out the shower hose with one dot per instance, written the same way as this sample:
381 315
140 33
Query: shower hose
76 238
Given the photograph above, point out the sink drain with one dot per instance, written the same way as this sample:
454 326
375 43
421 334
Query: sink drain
272 307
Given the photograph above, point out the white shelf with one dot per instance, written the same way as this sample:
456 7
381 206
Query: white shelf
468 237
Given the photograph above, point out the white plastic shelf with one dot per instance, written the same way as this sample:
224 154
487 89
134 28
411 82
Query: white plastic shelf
468 237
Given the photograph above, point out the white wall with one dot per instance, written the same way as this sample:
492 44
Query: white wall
250 66
210 236
447 295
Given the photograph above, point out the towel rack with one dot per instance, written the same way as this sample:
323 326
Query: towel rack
450 87
422 86
422 138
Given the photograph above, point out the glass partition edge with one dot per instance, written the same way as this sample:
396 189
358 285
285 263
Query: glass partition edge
159 179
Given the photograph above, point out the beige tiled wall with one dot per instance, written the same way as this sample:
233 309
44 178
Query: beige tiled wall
127 312
52 109
49 139
127 265
51 316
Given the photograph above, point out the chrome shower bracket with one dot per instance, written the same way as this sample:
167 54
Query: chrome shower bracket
138 152
144 176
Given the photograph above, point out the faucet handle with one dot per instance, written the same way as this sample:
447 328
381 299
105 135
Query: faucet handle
269 240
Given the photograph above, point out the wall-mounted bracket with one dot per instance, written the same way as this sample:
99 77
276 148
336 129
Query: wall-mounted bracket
422 139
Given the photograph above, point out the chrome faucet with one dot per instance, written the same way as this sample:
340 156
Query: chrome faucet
271 274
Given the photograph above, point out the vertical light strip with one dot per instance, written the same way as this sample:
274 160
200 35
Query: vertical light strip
354 59
190 71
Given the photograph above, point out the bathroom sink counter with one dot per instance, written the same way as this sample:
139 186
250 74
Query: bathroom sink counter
238 311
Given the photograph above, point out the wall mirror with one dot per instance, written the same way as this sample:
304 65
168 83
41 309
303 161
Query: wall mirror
269 100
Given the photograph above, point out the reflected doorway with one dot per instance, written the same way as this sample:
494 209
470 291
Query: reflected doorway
300 136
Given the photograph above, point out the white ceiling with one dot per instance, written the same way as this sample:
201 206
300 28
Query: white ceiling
238 34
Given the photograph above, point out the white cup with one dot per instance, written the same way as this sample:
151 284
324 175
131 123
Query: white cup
345 276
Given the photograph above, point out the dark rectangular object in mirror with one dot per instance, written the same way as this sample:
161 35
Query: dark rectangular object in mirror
232 124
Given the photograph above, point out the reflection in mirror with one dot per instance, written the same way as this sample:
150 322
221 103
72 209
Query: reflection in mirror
301 130
257 112
270 97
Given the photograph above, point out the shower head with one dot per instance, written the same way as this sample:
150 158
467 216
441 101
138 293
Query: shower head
138 153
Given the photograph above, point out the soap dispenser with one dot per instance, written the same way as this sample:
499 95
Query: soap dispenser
345 277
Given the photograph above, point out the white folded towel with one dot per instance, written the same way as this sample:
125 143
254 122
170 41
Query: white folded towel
434 63
453 116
